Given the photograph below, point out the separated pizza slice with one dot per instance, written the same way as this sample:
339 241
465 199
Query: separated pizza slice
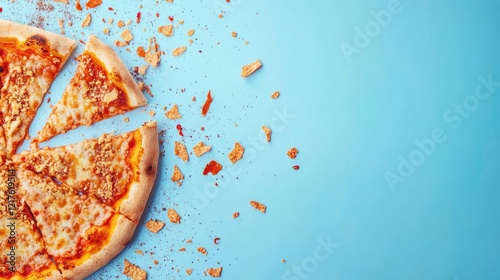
101 88
22 253
119 170
30 59
80 233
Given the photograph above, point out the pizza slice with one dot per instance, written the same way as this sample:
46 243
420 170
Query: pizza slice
22 253
119 170
79 233
101 88
30 59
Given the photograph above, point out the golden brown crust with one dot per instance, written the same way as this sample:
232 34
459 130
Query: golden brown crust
121 235
114 64
134 204
61 44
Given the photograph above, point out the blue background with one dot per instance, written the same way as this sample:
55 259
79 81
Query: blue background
355 118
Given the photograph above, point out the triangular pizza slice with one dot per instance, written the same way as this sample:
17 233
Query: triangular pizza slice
101 88
119 170
22 253
79 232
30 59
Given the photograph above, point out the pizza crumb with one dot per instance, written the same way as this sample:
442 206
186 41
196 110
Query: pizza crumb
126 119
200 149
120 24
190 32
234 34
183 249
247 70
110 21
202 250
275 95
206 105
189 271
173 113
214 272
139 252
178 51
292 153
105 31
267 132
236 215
154 225
142 69
189 241
133 271
152 55
237 153
181 22
152 113
166 30
283 260
127 35
220 15
173 216
181 151
156 262
259 206
190 41
177 176
86 20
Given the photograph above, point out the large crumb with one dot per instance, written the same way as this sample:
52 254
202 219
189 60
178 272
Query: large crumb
268 133
206 105
214 272
133 271
173 216
177 176
247 70
178 51
166 30
154 225
237 153
259 206
181 151
173 113
152 55
292 153
200 149
86 20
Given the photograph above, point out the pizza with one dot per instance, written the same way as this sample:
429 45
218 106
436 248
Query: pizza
101 88
30 59
67 211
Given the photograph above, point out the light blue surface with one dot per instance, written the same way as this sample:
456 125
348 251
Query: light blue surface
352 117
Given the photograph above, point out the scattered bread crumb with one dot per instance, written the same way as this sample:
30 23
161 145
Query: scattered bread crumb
237 153
105 31
178 51
127 35
220 15
166 30
152 55
173 216
200 149
120 24
142 69
247 70
268 132
214 272
181 151
62 1
292 153
177 176
202 250
86 20
156 262
236 215
234 34
259 206
191 32
154 225
152 113
275 95
188 271
110 21
173 113
189 241
181 22
139 252
133 271
183 249
283 260
126 119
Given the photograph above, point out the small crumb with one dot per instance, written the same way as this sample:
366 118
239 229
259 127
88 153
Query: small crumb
127 35
173 216
110 21
86 20
181 22
259 206
105 31
283 260
126 119
220 15
156 262
275 95
188 271
133 271
139 252
214 272
154 225
190 41
128 22
190 32
202 250
178 51
268 132
189 241
236 215
247 70
120 24
152 113
181 151
237 153
200 149
246 42
292 153
166 30
142 69
170 1
183 249
173 113
234 34
177 176
62 1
